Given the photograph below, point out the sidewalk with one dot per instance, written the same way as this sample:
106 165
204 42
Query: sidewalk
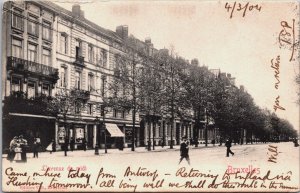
91 152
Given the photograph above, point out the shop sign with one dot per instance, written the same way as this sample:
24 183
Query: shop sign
61 134
79 135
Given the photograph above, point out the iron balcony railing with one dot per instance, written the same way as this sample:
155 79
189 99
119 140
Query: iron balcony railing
81 94
25 66
79 60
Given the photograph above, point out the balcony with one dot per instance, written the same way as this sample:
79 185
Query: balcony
32 69
79 61
81 94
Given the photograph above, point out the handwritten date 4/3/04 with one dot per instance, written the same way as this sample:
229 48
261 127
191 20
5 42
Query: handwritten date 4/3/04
242 7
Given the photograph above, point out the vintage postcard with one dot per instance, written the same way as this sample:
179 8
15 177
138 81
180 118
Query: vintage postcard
150 96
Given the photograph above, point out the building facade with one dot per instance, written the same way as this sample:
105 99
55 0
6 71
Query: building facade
48 50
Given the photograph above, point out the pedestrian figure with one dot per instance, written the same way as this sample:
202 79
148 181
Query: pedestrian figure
23 146
228 145
53 146
35 148
50 147
162 143
184 151
18 153
213 142
120 144
65 146
12 145
149 145
296 144
72 143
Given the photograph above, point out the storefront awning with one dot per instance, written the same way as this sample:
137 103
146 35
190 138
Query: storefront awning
114 130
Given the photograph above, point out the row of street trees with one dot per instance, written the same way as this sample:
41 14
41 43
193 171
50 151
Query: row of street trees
161 84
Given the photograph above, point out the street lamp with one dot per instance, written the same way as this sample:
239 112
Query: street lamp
97 137
206 127
103 112
104 128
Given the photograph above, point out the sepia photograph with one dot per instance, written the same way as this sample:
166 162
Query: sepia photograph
150 96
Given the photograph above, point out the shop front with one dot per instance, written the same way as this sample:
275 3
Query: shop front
74 134
30 126
112 136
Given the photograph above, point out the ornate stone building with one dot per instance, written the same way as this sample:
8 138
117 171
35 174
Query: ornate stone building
48 50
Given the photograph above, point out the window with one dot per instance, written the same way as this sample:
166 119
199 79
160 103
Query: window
90 109
31 89
97 58
47 31
103 58
91 54
17 48
91 82
32 52
46 89
15 84
33 27
46 57
63 43
77 80
115 113
78 48
123 114
63 77
17 21
117 61
77 107
103 81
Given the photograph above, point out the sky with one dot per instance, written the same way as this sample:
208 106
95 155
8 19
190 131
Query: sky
242 46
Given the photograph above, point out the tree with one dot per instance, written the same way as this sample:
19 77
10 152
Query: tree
172 69
124 88
150 81
198 82
68 102
221 105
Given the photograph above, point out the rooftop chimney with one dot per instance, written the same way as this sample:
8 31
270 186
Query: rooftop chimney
195 62
122 31
76 11
148 42
164 50
242 88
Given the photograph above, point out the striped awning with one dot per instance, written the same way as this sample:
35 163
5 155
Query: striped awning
114 130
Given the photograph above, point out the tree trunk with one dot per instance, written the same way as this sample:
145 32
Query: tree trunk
149 134
206 127
154 129
133 129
